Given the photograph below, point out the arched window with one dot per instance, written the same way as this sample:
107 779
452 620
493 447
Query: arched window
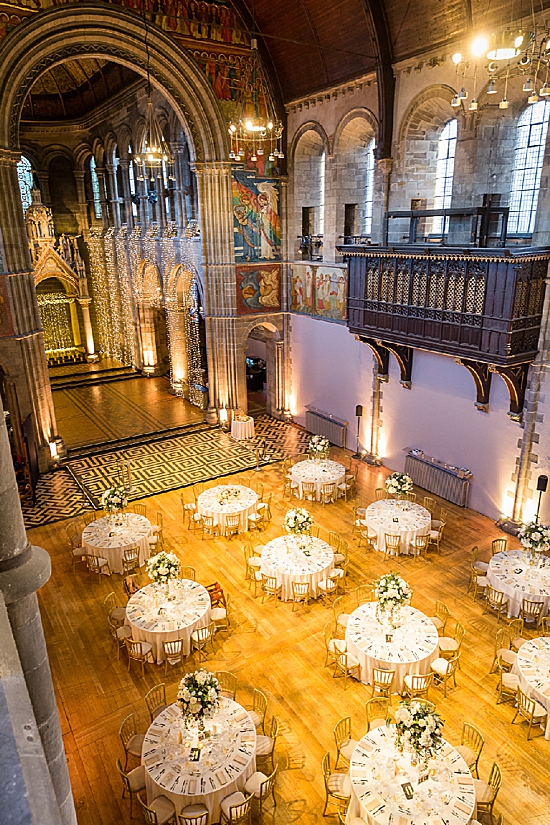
132 179
95 189
369 189
528 157
445 172
25 178
322 171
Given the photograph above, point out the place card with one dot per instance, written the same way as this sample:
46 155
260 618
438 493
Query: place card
194 754
408 790
423 778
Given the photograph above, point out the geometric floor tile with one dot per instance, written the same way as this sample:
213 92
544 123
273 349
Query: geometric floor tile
58 497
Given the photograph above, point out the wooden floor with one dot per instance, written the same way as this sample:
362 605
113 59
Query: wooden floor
281 652
105 412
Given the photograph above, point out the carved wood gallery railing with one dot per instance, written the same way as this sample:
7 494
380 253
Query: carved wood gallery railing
483 307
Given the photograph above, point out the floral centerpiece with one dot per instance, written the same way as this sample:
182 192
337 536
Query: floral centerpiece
398 484
114 500
535 538
392 593
163 567
298 521
229 494
418 730
318 447
199 696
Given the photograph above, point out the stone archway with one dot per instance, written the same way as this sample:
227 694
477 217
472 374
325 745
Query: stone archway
270 333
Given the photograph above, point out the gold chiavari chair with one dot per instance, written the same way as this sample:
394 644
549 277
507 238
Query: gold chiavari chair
309 491
495 600
255 521
337 787
188 573
441 617
486 792
507 687
444 670
173 654
236 809
382 681
392 547
449 646
155 699
345 743
380 494
232 523
264 507
328 493
201 638
228 683
503 645
161 811
498 546
139 509
138 652
133 782
116 614
378 712
531 711
271 589
531 611
334 644
419 547
265 745
410 497
315 531
132 741
359 524
300 594
209 528
262 787
435 537
364 593
119 634
471 745
347 665
258 710
515 626
430 504
97 564
417 685
130 560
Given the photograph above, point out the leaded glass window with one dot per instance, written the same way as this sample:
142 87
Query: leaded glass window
25 178
98 212
528 157
369 189
445 172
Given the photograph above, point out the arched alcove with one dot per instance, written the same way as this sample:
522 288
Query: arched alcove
309 157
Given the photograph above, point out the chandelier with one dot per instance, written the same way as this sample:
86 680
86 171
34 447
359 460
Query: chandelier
512 52
257 133
155 156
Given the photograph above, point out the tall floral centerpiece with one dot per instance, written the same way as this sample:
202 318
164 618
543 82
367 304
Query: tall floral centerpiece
299 522
392 593
318 447
418 730
114 501
535 538
399 484
163 568
198 696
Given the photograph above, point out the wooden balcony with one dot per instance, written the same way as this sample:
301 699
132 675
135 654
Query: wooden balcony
481 306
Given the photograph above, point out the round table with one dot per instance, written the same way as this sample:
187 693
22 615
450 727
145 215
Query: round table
532 666
404 518
378 770
529 583
226 499
100 538
242 430
156 619
319 472
299 559
227 758
412 649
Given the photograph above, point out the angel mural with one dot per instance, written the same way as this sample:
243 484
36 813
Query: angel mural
256 223
258 288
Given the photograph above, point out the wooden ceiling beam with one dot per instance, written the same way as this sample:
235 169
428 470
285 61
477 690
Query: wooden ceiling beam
380 32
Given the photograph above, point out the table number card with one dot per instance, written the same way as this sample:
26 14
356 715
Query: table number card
408 790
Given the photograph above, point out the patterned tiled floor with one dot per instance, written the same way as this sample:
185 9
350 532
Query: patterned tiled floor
161 466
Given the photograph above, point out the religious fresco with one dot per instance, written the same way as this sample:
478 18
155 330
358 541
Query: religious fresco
318 290
258 288
256 223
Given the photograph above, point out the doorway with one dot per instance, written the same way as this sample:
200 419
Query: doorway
256 372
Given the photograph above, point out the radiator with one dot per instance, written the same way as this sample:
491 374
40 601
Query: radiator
321 423
436 479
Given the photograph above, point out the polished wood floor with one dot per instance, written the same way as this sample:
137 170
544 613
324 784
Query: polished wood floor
281 652
106 412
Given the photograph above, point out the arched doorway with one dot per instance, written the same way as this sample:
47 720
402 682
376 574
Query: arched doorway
264 369
186 336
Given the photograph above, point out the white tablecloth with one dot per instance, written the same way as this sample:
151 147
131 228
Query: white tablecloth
533 668
227 758
189 609
242 430
529 583
228 498
412 521
323 472
285 559
135 531
413 648
378 771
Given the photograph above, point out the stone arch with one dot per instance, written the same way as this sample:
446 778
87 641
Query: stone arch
310 149
124 139
184 325
310 126
274 326
81 156
432 107
272 339
55 151
359 114
110 143
115 34
68 281
98 151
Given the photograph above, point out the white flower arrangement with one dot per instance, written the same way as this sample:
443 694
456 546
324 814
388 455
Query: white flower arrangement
534 537
392 592
298 521
418 729
398 484
199 694
319 446
163 567
114 500
229 494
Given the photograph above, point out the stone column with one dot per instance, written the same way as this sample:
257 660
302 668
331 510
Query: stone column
382 177
23 570
75 326
126 193
79 177
21 336
180 184
113 194
88 332
100 172
44 181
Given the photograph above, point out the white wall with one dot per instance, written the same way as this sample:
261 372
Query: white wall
333 371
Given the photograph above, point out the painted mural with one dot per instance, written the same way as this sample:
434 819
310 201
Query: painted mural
258 288
318 290
256 224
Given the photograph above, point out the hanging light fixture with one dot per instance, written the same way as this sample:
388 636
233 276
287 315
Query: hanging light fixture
491 88
455 102
463 94
259 134
506 45
504 102
155 157
528 85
